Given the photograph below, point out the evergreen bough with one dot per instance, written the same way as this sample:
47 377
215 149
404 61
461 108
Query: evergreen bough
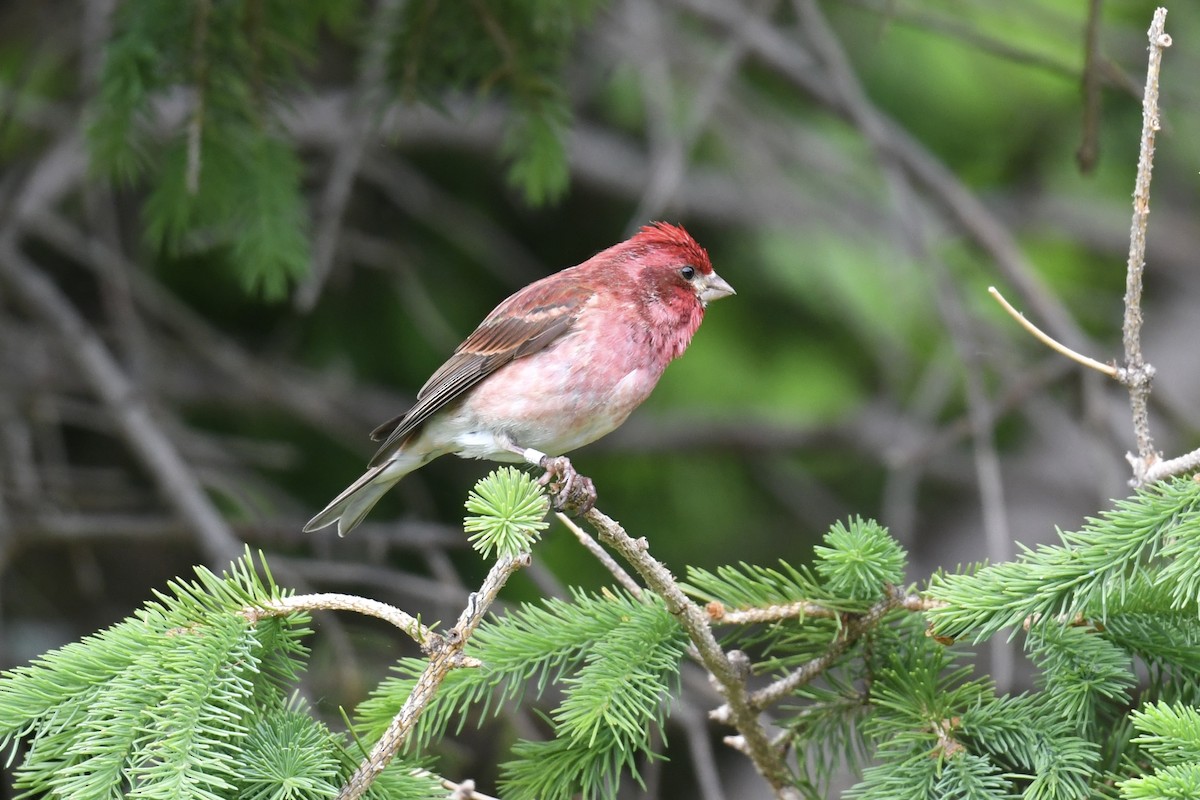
192 95
195 694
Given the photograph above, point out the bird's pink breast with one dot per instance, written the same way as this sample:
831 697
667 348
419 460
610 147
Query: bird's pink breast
575 391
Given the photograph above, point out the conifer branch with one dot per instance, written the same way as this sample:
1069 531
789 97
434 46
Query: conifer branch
332 601
729 672
850 634
446 656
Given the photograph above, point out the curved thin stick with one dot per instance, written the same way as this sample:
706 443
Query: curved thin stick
1046 339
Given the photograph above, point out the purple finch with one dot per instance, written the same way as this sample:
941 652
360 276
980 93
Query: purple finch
557 365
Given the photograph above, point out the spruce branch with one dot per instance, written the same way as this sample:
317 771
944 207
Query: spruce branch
729 676
1094 571
446 656
851 632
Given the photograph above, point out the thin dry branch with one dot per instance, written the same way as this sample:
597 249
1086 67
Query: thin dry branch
1136 375
446 655
175 479
333 601
800 609
601 555
1049 341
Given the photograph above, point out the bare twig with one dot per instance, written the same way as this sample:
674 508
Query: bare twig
1049 341
1136 375
601 555
332 601
752 616
849 635
446 655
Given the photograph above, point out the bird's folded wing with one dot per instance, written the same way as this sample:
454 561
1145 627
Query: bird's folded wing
524 324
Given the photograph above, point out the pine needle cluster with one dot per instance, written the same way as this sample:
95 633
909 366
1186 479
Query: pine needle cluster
192 96
514 47
187 698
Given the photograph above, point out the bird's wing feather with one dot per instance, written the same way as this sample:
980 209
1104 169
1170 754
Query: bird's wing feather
522 325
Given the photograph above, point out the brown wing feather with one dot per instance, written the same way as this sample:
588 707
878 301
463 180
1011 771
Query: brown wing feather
523 324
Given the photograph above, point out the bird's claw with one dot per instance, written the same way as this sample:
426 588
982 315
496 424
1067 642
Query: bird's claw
571 492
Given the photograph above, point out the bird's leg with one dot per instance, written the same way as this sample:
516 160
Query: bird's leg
573 493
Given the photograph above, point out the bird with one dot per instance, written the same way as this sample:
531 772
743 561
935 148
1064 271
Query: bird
557 365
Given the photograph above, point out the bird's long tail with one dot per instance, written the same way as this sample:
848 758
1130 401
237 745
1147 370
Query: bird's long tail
349 507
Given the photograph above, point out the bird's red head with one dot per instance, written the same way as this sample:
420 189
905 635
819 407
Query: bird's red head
673 237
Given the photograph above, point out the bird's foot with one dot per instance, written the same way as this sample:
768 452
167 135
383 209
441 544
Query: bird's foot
570 492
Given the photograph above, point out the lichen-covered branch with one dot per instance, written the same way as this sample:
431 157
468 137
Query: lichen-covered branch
333 601
1136 375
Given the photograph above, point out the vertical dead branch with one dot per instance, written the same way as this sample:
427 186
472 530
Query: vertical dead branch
1136 375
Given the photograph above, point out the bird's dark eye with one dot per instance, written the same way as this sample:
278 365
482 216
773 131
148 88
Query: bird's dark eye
688 272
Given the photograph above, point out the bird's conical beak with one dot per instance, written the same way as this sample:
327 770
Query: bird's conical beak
714 287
